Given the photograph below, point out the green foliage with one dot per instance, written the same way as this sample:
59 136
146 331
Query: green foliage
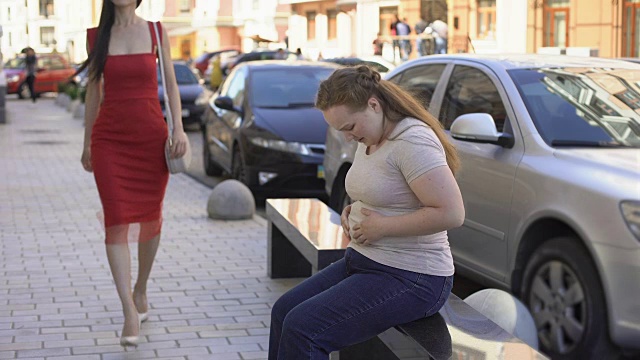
62 87
72 91
82 93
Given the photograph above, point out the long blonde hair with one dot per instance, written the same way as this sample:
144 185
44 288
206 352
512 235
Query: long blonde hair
354 86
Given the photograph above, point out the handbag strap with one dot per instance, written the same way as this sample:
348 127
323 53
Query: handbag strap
167 108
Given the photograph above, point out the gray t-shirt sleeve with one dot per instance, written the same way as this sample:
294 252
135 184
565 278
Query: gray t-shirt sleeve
419 151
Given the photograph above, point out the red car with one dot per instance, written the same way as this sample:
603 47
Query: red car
202 62
52 70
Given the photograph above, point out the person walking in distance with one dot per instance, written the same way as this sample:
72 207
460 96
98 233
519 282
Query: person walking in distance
125 135
398 267
31 65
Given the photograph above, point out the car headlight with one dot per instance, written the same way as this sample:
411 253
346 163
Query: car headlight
292 147
631 214
13 78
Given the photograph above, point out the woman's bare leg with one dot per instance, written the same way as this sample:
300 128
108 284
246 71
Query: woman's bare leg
120 263
146 255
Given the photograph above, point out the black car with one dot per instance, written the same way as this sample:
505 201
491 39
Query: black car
262 128
256 55
194 96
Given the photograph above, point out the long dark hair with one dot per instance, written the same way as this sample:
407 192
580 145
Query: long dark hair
98 54
354 86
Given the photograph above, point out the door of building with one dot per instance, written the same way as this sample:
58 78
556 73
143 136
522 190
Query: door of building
631 29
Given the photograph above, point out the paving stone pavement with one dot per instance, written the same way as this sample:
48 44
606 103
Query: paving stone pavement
209 295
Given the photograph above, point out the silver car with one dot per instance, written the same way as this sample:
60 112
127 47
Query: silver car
551 184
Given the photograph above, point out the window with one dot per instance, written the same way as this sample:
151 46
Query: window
486 19
556 23
421 81
332 18
8 14
47 35
185 6
631 29
46 8
471 91
236 88
311 25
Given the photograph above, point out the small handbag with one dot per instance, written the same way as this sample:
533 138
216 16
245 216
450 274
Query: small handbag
180 164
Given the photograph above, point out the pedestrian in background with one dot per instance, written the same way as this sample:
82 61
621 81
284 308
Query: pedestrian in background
398 267
421 46
403 29
378 45
439 32
299 54
394 32
216 73
125 135
31 68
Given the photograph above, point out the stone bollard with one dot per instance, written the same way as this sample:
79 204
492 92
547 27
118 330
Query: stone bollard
231 200
508 312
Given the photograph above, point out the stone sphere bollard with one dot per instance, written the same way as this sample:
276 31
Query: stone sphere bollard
507 311
231 200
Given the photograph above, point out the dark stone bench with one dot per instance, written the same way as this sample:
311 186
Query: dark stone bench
305 236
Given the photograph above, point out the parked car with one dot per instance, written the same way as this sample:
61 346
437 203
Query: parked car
194 96
263 129
202 62
376 62
52 69
255 55
550 149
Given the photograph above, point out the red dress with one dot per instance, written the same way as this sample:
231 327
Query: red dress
127 146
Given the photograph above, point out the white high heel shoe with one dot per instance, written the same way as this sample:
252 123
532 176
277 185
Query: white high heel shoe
131 340
143 316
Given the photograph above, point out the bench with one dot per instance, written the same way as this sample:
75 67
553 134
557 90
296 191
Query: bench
305 236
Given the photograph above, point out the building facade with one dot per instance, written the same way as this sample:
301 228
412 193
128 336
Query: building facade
573 27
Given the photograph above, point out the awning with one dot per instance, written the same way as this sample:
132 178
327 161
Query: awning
259 39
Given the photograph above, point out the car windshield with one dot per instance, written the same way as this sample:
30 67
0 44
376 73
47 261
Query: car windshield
287 87
15 63
184 75
582 107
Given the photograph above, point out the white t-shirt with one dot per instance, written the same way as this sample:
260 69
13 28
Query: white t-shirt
380 182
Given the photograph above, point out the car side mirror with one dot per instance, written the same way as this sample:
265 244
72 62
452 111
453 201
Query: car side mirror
226 103
481 128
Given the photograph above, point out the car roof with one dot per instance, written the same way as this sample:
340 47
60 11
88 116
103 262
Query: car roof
528 61
278 64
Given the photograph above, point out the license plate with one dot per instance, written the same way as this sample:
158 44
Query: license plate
320 172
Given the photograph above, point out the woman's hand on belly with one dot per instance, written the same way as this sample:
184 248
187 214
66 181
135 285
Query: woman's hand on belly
344 221
370 229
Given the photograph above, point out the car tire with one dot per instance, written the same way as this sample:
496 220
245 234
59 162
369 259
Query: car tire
339 197
23 91
238 170
562 289
210 167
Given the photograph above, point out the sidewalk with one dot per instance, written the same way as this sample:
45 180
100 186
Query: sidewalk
209 295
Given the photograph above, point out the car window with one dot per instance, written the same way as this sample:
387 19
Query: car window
286 87
421 81
184 75
43 63
377 67
15 63
471 91
592 107
236 88
56 64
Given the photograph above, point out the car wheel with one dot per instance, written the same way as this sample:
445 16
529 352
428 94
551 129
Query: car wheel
562 289
23 91
339 197
238 171
210 167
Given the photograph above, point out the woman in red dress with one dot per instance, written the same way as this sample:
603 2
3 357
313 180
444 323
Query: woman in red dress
124 141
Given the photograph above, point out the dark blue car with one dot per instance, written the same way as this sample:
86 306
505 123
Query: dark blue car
262 128
194 97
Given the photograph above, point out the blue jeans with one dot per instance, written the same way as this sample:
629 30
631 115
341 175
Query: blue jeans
350 301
